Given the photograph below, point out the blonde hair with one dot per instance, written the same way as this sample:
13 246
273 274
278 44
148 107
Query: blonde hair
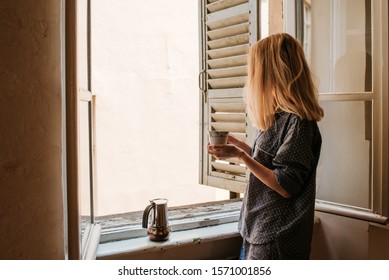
279 79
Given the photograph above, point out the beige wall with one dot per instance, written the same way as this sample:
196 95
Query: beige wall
276 24
145 59
342 238
31 200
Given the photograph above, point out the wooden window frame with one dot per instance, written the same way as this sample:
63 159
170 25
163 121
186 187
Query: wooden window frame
379 211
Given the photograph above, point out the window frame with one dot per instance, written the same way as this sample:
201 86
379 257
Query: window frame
83 245
378 96
73 216
80 244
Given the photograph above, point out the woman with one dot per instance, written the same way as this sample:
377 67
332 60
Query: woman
276 220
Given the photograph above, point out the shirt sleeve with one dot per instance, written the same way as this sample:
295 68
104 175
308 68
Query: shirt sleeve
294 160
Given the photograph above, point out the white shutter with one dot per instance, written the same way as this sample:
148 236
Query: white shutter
228 28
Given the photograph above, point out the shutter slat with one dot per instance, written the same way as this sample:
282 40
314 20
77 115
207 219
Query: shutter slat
229 41
227 126
239 136
232 61
225 93
228 117
233 184
236 82
228 72
223 4
228 13
230 51
224 22
230 168
228 31
228 107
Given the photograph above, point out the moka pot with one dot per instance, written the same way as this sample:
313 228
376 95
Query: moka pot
159 229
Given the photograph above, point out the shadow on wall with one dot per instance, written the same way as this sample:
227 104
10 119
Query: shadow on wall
340 238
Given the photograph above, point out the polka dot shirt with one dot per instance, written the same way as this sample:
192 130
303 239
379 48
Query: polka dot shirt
291 148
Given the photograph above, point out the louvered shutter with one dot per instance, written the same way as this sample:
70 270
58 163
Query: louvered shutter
228 28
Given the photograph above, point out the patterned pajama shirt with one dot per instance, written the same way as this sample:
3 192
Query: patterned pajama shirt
274 227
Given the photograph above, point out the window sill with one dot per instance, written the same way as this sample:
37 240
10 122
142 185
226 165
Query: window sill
196 233
128 225
135 247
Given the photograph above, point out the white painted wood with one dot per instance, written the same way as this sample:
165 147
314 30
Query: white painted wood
223 4
231 61
215 94
229 31
229 41
231 168
230 26
227 82
349 211
90 241
229 117
241 17
229 51
227 13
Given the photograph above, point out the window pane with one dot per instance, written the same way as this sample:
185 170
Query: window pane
345 163
340 51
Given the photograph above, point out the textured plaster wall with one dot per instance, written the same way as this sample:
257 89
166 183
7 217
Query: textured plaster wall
31 202
145 65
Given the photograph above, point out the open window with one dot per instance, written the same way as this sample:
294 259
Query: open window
142 115
83 231
346 44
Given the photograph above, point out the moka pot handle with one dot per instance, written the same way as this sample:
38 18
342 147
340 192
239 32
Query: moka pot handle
146 213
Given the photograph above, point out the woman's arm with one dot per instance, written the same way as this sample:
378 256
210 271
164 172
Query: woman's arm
240 144
263 173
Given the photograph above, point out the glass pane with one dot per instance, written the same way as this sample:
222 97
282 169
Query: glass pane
337 41
344 170
84 164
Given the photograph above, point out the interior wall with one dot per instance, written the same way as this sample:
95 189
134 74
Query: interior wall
378 242
31 199
340 238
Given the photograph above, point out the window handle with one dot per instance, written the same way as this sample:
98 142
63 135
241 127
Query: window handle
201 84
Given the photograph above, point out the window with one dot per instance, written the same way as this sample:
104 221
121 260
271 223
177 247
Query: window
227 29
166 150
83 236
347 46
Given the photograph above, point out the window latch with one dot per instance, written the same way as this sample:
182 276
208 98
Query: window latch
202 86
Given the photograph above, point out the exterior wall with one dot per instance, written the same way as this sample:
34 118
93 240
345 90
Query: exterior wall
145 76
276 24
31 198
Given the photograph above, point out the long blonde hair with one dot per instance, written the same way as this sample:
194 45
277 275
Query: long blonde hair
279 79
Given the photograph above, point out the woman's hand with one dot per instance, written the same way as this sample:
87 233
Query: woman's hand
224 151
232 140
